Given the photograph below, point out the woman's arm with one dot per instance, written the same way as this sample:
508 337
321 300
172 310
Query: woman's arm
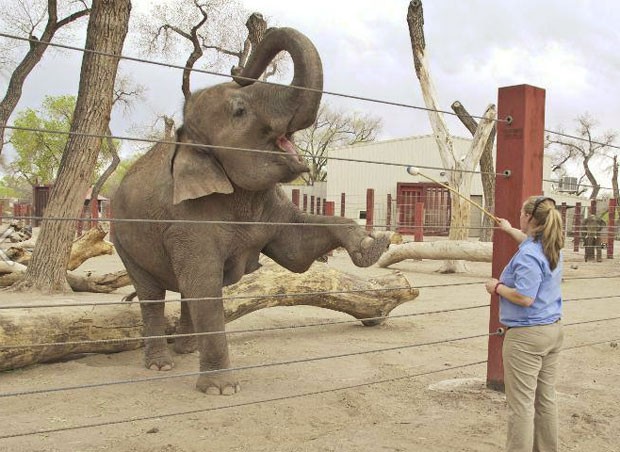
493 286
518 235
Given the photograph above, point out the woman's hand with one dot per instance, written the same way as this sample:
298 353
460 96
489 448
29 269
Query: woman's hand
504 224
490 285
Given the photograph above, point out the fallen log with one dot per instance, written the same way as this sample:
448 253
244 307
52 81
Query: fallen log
265 288
98 284
90 244
440 250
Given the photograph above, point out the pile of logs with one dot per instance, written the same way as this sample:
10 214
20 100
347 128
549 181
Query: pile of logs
91 244
15 233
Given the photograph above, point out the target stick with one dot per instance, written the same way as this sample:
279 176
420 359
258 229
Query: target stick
416 172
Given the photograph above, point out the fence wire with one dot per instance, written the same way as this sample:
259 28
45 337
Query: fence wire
242 404
32 40
268 400
237 369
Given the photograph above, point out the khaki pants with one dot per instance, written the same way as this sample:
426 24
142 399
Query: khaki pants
530 368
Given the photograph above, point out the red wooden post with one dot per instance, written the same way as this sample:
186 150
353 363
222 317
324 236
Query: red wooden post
388 213
520 145
94 212
108 214
592 207
370 208
330 208
563 209
577 227
305 209
30 213
80 225
418 222
295 196
342 204
611 228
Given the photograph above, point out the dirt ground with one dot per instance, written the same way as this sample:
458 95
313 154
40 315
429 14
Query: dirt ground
382 409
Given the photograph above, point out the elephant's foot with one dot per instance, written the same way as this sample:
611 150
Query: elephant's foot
157 357
183 345
186 344
371 248
222 384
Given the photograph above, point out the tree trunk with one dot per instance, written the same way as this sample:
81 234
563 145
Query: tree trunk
458 180
94 195
30 60
444 249
487 168
36 326
106 33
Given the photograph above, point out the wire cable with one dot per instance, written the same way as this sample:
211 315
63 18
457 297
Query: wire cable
230 332
236 369
237 149
240 405
219 74
270 400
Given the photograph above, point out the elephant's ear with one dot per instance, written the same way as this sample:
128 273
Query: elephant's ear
196 174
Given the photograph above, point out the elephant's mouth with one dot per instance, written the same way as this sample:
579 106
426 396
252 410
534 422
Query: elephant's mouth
284 143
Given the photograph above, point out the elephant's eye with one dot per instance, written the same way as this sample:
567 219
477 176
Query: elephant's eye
238 112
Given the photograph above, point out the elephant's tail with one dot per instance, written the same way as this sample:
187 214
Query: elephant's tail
130 297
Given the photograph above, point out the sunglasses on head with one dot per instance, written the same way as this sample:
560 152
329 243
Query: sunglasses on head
539 201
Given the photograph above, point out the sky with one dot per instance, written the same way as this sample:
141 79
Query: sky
568 48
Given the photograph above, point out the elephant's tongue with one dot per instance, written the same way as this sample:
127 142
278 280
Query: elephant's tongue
288 147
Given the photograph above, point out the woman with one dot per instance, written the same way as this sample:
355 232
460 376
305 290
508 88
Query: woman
530 308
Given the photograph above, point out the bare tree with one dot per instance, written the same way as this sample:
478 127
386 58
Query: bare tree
210 28
487 169
333 128
458 167
106 33
124 93
28 17
587 150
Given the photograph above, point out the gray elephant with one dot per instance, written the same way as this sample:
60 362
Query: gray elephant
593 232
207 178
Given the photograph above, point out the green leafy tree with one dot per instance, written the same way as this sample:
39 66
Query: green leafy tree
10 187
38 152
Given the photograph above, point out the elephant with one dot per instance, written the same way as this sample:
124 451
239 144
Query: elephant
593 226
194 197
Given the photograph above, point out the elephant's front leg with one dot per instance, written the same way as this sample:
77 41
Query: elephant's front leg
296 247
208 316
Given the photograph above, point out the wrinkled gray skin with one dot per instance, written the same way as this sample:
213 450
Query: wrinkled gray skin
210 183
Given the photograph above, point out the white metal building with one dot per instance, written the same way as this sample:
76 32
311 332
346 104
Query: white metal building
349 175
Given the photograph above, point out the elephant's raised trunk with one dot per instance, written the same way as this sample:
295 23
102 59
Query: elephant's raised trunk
298 107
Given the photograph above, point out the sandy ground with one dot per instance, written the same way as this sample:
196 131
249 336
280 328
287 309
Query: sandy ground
382 410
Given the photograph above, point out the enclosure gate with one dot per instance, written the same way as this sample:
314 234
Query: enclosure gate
436 200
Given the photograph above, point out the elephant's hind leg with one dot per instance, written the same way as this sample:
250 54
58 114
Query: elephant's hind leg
186 344
156 353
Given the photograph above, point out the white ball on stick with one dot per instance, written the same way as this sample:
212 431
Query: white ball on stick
413 170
